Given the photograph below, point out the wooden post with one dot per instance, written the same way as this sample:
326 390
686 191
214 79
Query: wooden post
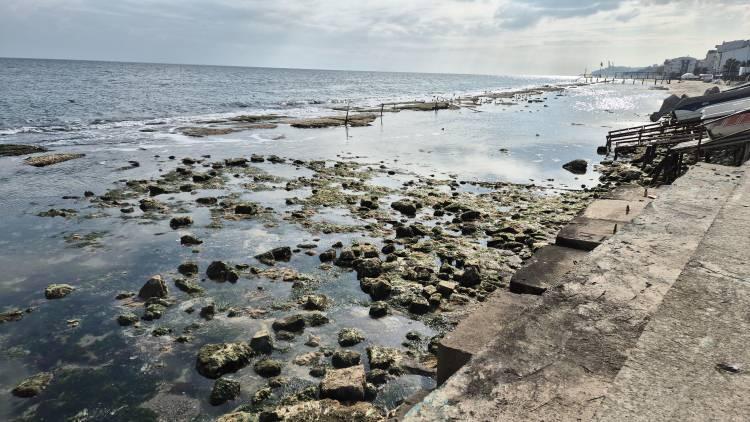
346 119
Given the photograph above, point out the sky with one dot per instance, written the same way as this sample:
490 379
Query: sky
541 37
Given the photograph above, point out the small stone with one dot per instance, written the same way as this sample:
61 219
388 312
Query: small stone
188 268
345 358
154 287
290 323
177 222
33 385
377 377
316 319
312 341
328 255
127 319
576 166
246 209
224 390
58 291
350 336
419 306
446 288
208 312
470 276
380 289
190 240
262 342
283 253
307 359
161 331
383 357
188 286
405 207
267 368
315 302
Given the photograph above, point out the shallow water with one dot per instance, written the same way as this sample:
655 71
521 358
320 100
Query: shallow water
110 372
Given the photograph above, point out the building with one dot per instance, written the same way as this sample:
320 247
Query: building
679 66
710 64
738 50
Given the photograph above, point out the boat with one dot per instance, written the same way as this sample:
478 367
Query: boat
696 103
720 127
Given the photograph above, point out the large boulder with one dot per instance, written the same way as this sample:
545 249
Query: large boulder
215 360
577 166
154 287
346 384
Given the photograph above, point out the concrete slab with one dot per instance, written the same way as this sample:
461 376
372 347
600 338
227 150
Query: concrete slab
546 268
478 329
614 210
632 193
556 361
586 233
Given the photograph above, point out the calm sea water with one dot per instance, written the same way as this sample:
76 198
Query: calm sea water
53 95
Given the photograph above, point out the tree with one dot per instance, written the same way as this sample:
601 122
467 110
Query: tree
731 66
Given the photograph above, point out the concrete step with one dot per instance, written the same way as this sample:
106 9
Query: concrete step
692 361
546 268
557 359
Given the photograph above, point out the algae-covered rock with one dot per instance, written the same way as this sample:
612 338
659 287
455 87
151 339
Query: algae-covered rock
345 358
215 360
224 390
188 286
268 368
33 385
350 336
127 319
58 291
50 159
290 323
220 271
154 287
383 357
346 384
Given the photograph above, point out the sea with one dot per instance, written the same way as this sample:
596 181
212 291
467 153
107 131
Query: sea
128 119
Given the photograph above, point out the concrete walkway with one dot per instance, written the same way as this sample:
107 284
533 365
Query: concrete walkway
578 353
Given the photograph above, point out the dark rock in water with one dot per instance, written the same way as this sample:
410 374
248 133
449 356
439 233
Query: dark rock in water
58 291
188 268
8 150
369 203
315 302
267 368
346 258
316 319
58 213
128 210
127 319
188 286
419 305
388 249
370 267
345 358
404 232
155 190
33 385
246 209
236 162
12 315
385 358
215 360
283 253
154 287
208 200
350 336
405 207
255 158
190 240
208 312
224 390
576 166
328 255
601 150
220 271
346 385
470 276
261 342
161 331
177 222
153 311
378 309
380 289
471 215
290 323
378 377
149 204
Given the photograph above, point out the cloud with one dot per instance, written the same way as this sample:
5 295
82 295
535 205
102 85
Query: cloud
523 14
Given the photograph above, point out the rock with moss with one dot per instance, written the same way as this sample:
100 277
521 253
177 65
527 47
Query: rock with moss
154 287
350 337
188 268
215 360
346 384
33 385
236 417
127 319
385 358
291 323
224 390
268 368
188 286
220 271
58 291
345 358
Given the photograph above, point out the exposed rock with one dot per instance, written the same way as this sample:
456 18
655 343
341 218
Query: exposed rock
345 358
291 323
224 390
220 271
8 150
446 288
325 410
177 222
377 377
246 209
328 255
267 368
33 385
149 204
346 258
50 159
236 417
378 309
161 331
316 319
58 291
153 311
190 240
350 336
208 200
315 302
405 207
215 360
576 166
383 357
283 253
369 267
155 190
331 121
199 132
261 342
127 319
188 286
470 276
307 359
419 305
380 289
188 268
208 312
154 287
12 315
347 384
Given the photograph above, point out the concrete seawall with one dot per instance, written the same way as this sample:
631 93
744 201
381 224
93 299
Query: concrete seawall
650 325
